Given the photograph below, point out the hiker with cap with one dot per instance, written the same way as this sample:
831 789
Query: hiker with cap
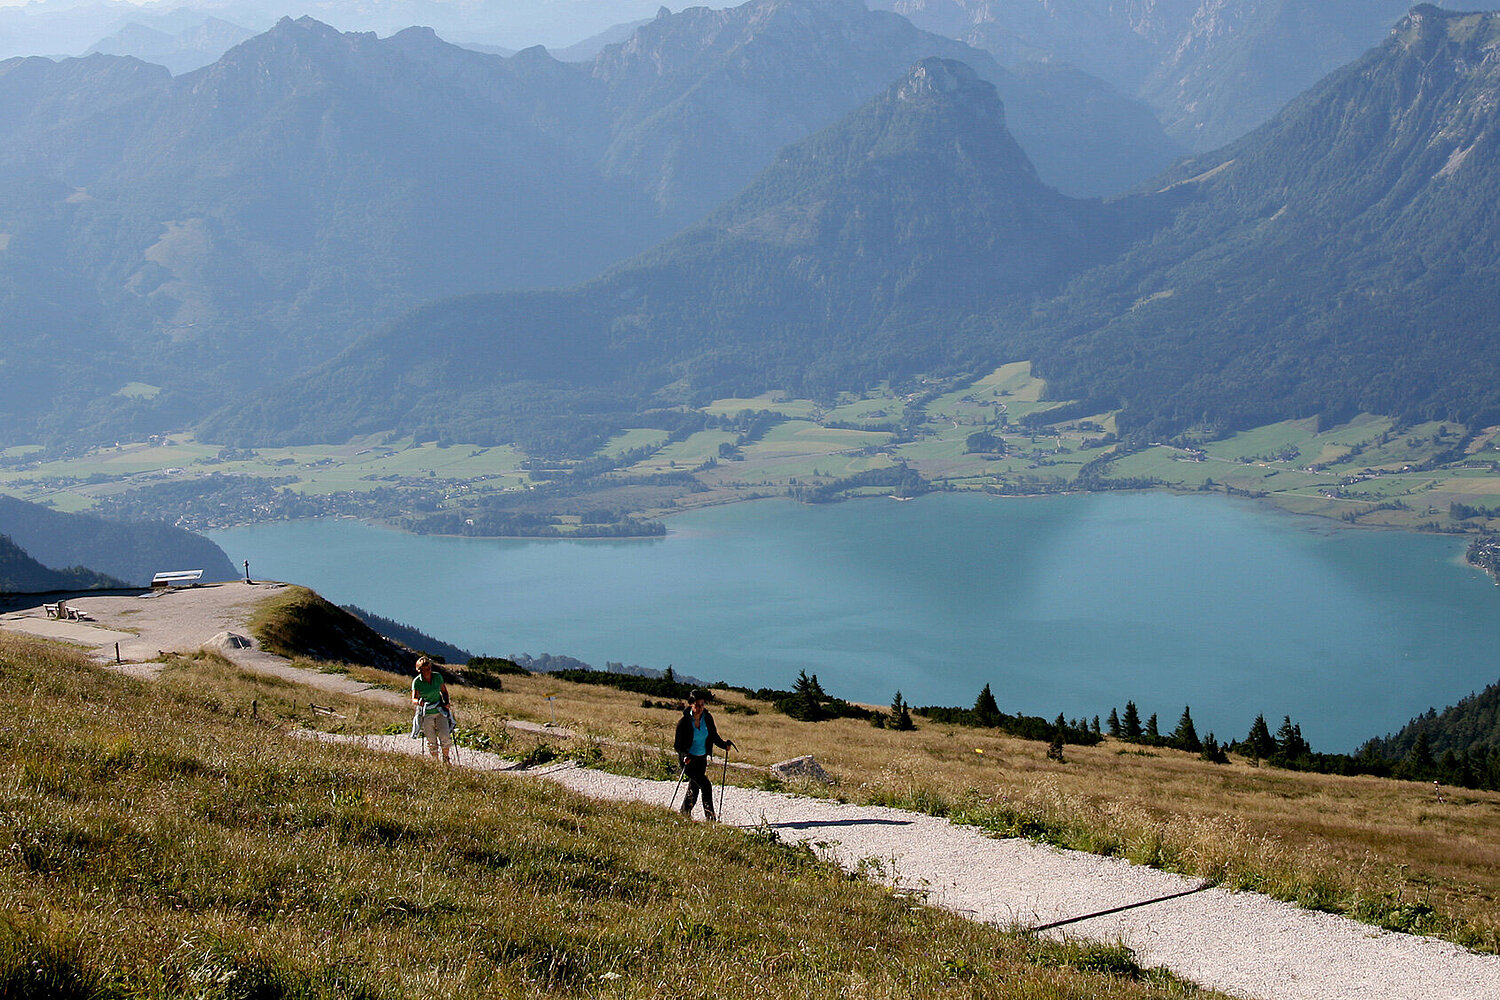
696 737
429 695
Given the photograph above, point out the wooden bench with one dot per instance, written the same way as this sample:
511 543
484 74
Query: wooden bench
176 578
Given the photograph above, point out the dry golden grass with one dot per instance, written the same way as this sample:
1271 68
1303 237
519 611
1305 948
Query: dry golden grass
1385 851
165 842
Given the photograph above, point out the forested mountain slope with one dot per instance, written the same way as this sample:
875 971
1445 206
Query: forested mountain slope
1344 257
1470 727
867 251
129 552
21 574
166 241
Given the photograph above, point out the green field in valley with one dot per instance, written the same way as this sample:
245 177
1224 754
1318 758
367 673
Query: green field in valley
1367 470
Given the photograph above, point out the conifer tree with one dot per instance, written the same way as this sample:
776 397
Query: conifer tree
1290 746
1420 757
1212 752
1448 768
1098 731
1114 723
1152 733
900 717
1260 741
986 711
807 700
1130 725
1055 750
1185 736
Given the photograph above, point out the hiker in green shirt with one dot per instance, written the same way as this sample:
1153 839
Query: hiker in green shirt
429 695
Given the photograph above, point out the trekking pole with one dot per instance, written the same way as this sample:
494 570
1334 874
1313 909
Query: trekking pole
681 773
723 779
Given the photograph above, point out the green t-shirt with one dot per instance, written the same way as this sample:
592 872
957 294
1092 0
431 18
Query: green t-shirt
431 692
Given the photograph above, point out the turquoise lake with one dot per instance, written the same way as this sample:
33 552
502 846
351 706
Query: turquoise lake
1068 604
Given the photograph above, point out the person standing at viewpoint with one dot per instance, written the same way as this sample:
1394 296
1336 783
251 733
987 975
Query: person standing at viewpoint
696 737
429 695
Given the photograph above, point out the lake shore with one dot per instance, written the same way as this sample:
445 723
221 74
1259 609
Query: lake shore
1076 605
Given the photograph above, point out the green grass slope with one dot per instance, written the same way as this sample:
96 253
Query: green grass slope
299 624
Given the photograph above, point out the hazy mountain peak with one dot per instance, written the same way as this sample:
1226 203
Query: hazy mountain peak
307 25
416 34
936 76
935 79
701 35
942 107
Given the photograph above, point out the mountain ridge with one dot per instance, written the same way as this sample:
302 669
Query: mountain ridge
210 233
838 263
1212 70
1338 259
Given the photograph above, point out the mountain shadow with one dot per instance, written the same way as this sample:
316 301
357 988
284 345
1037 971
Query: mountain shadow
21 574
129 552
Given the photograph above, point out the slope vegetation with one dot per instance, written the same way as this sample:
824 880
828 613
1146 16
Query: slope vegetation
1341 259
216 858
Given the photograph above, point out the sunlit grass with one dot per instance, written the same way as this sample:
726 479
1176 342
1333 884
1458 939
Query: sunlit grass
163 841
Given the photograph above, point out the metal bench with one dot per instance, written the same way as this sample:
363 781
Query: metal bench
176 578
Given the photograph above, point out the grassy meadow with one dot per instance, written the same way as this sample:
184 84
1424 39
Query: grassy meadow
1368 470
167 839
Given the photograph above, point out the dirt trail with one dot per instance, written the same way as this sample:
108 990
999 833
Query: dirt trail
1239 943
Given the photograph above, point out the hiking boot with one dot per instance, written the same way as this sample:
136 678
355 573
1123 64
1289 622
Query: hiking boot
710 816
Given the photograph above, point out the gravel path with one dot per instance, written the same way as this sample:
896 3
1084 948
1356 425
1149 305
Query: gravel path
1238 943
